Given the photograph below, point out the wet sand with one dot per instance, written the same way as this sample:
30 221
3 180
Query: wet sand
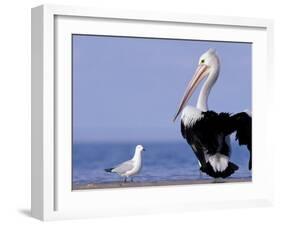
119 184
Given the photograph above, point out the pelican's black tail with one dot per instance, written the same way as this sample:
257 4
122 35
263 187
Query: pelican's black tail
109 170
208 169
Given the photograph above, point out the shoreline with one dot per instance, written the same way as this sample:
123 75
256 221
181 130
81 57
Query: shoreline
119 184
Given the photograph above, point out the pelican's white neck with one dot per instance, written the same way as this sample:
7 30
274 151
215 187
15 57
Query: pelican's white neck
202 102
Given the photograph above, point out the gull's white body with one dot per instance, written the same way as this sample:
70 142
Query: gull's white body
135 163
131 167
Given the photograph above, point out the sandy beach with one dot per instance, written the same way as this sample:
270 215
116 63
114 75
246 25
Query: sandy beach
159 183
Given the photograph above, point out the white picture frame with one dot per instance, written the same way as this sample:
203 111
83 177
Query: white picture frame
52 197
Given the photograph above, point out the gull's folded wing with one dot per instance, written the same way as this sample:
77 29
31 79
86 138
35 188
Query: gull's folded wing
123 167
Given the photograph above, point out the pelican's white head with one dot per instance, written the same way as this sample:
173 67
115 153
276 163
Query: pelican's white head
208 66
139 148
209 59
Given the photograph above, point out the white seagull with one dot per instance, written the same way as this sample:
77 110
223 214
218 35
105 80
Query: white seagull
131 167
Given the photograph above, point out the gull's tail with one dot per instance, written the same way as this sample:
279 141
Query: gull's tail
109 170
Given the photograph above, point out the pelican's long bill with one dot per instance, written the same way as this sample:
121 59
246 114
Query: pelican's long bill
200 73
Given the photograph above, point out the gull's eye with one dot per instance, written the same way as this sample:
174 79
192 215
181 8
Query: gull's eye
202 61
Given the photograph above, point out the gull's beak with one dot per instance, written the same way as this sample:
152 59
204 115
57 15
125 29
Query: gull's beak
199 74
144 149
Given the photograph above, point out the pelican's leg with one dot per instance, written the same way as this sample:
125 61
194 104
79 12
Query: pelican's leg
219 180
200 172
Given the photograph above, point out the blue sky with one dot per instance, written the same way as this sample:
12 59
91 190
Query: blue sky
130 88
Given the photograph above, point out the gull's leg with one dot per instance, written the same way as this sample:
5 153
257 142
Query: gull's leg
132 179
125 179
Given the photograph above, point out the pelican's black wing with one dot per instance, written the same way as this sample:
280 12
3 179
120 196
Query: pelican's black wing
242 124
209 132
206 135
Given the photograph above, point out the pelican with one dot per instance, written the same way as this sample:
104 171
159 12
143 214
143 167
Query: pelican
208 132
129 168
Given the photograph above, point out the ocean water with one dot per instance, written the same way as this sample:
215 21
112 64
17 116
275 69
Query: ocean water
162 161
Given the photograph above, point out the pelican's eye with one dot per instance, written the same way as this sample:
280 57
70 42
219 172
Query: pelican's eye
202 61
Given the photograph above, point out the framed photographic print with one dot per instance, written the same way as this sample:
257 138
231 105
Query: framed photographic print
153 112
